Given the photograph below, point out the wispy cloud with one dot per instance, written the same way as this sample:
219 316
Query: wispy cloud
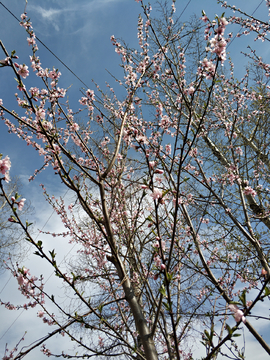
62 7
47 14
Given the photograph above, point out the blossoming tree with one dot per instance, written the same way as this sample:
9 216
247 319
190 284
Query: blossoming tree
171 193
10 244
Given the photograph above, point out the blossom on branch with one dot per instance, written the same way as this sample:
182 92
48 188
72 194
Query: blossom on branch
238 314
249 191
23 71
5 165
156 194
21 204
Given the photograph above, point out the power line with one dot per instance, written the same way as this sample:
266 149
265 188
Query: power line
66 191
6 285
251 15
10 326
184 9
257 7
46 47
46 279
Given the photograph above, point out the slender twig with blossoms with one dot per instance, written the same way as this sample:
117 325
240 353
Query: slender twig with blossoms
171 208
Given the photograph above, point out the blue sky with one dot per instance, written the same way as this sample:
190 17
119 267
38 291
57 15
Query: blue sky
78 32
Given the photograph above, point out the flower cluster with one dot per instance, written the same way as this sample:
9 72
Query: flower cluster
207 68
218 43
249 191
19 203
23 70
5 165
237 313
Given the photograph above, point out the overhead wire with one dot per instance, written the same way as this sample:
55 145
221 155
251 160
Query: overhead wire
72 72
184 9
46 279
251 15
47 48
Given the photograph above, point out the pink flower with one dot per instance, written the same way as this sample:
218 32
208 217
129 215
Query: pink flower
162 267
204 18
70 207
90 94
142 139
31 40
40 114
23 71
20 280
157 261
5 165
152 164
239 151
5 62
54 75
21 204
223 21
238 314
249 191
168 149
156 194
74 127
25 271
190 90
40 313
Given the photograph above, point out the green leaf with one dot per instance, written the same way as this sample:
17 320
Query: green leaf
52 253
167 306
100 307
57 274
235 303
242 298
230 331
165 192
266 291
206 333
38 254
39 243
145 182
162 290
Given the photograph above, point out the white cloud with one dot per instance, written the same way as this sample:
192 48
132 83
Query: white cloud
47 14
15 323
